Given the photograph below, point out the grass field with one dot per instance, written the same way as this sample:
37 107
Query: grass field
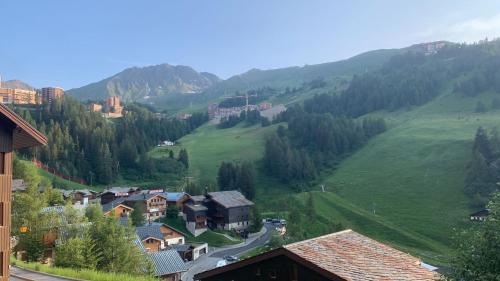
209 146
404 187
82 274
212 238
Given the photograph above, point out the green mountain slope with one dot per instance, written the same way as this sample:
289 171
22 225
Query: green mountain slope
140 84
404 187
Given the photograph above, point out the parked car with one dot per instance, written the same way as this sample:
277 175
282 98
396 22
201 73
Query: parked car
221 263
230 258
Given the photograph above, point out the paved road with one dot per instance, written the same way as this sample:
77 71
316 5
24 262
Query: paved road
209 261
261 241
29 275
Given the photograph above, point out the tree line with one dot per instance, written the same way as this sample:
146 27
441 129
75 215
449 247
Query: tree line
86 145
234 176
90 241
251 118
483 170
314 141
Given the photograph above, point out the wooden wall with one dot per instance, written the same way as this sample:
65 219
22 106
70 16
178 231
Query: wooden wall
6 136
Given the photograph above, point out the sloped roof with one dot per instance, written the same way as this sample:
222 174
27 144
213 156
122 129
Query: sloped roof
167 262
353 256
113 204
142 197
115 190
172 196
86 192
344 255
25 135
230 199
197 198
196 207
18 185
153 229
148 231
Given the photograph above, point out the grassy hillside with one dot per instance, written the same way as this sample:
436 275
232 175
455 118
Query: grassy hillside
209 146
405 187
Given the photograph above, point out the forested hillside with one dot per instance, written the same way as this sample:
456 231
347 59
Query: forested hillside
85 145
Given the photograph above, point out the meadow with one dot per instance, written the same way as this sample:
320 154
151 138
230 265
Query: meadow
404 187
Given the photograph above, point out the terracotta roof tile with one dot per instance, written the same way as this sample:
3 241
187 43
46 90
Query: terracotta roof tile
353 256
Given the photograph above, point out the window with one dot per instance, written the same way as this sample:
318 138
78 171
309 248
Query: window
2 163
272 274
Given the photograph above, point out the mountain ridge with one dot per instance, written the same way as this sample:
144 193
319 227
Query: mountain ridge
138 83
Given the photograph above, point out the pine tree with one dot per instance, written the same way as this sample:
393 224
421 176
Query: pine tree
245 181
183 158
137 215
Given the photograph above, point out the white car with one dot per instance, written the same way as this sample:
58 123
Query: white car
221 263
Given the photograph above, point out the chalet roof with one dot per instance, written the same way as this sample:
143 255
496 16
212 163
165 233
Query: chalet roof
172 196
115 190
198 198
147 231
167 262
86 192
344 255
353 256
230 199
196 207
113 204
482 213
180 247
18 185
25 135
153 230
55 209
141 197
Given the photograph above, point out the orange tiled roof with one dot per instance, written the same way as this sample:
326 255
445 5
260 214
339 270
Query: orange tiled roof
355 257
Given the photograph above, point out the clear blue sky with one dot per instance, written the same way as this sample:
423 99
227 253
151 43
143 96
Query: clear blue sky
71 43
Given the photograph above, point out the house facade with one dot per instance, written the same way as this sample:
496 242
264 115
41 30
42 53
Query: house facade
117 210
228 210
157 237
15 133
196 218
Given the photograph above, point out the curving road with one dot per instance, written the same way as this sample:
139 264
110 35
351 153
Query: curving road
237 251
209 261
19 274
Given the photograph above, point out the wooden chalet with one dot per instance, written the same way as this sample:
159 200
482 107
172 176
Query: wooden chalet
15 133
157 236
118 192
342 256
116 209
228 210
177 198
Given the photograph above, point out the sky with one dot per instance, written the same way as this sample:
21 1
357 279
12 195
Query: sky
74 43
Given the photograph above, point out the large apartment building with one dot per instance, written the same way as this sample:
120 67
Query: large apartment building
18 96
50 94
